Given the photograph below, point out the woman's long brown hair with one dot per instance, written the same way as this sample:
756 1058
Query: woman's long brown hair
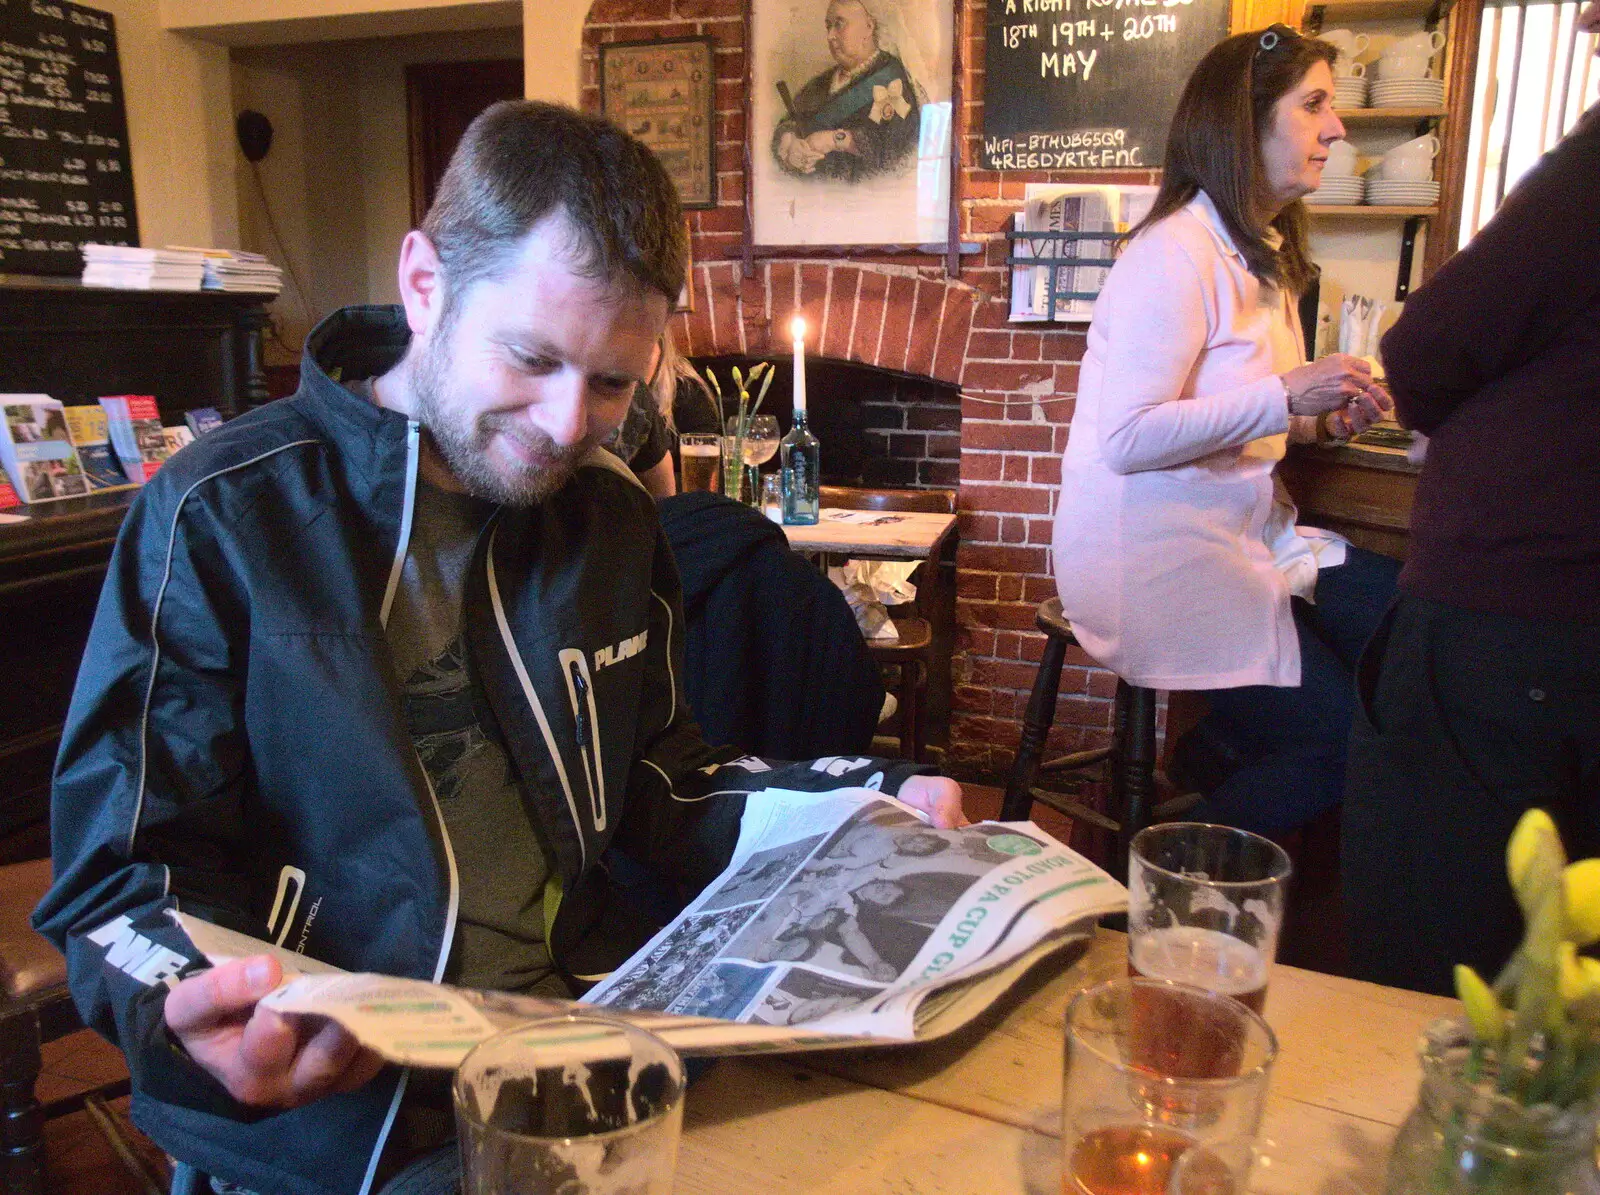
1214 145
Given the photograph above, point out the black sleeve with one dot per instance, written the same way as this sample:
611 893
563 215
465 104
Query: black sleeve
656 444
1499 302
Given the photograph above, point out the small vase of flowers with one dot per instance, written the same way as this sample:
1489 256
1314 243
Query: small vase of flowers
735 428
1510 1092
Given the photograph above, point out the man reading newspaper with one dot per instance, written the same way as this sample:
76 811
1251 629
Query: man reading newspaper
389 674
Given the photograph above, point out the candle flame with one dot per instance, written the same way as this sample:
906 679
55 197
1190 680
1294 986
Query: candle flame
797 327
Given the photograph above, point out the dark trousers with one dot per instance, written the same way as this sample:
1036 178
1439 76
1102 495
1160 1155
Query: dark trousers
1271 759
1465 720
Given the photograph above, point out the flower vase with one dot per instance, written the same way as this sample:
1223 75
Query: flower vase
733 468
1465 1138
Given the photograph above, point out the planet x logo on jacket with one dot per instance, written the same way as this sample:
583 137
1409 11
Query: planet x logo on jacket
136 955
631 646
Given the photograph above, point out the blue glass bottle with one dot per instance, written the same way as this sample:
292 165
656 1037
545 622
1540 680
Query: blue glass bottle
800 459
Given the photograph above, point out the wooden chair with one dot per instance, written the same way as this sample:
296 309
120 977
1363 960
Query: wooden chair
1129 764
36 1008
911 655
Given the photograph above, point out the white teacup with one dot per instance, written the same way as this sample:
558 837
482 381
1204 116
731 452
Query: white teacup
1406 169
1341 160
1403 66
1350 45
1346 68
1426 41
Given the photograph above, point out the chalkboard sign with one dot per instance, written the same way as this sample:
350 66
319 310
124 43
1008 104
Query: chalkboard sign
1089 84
65 176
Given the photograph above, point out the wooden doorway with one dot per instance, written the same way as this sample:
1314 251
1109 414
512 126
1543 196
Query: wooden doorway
441 100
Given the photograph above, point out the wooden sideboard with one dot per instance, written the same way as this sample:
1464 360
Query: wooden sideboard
76 343
1365 496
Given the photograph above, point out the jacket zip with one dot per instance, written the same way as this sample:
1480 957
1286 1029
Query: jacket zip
452 908
586 719
503 624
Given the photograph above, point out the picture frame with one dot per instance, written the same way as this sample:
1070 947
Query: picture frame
850 146
664 94
685 302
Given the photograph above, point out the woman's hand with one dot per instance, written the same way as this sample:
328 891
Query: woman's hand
1330 383
1359 413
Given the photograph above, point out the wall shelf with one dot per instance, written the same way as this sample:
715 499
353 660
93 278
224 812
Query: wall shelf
1369 211
1374 10
1372 117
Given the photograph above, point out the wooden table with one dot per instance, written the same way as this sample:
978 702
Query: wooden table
1365 494
977 1113
874 534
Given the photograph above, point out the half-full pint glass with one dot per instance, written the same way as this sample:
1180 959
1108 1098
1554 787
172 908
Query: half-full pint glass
574 1105
1205 904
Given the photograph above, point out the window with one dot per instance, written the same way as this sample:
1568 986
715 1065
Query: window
1536 76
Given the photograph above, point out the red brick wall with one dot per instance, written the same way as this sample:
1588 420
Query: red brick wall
903 313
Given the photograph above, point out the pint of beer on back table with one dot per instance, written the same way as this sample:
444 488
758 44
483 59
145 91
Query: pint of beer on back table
700 455
1205 906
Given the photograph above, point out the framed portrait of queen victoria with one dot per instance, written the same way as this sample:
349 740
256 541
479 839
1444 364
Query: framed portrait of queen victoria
850 117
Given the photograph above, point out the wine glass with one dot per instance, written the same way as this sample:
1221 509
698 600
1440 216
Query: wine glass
760 445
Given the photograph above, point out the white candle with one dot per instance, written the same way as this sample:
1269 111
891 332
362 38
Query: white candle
797 327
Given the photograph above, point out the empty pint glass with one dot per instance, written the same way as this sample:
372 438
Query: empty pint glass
573 1105
1205 904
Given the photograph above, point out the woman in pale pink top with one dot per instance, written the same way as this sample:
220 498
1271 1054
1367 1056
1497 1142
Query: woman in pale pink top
1177 564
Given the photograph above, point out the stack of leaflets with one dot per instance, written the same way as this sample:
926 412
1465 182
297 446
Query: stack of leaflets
37 450
91 436
124 267
136 434
238 272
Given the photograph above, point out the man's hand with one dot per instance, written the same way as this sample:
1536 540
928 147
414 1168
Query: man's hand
937 796
263 1058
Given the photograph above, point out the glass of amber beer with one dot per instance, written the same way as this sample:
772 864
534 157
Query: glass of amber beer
700 457
1205 904
1165 1087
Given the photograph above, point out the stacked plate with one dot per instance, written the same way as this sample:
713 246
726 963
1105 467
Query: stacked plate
1338 190
1397 194
1349 91
1405 93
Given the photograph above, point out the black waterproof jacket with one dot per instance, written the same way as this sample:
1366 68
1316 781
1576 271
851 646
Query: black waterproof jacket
236 745
776 664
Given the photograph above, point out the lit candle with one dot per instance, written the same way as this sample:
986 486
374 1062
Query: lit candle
797 328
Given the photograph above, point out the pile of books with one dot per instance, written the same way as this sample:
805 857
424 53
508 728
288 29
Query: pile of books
238 272
125 267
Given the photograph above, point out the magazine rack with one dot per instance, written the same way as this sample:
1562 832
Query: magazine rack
1045 255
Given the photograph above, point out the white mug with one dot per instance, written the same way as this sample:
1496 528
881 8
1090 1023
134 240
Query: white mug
1403 66
1341 160
1425 146
1346 68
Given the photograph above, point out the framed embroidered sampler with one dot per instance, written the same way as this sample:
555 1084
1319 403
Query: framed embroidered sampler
663 93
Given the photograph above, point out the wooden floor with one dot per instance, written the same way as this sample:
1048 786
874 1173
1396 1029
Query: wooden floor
80 1160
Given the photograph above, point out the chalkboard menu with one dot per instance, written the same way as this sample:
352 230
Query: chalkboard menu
65 177
1089 84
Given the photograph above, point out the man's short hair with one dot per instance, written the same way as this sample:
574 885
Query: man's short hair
522 160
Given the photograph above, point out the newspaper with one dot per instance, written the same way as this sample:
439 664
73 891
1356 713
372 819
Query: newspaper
1054 208
843 918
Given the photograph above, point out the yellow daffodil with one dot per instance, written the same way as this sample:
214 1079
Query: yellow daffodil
1581 884
1580 976
1487 1017
1533 857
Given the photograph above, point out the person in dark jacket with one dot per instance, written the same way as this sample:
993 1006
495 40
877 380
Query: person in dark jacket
389 673
775 663
1480 693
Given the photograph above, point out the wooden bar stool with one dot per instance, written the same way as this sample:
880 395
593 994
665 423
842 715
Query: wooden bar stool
1129 763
